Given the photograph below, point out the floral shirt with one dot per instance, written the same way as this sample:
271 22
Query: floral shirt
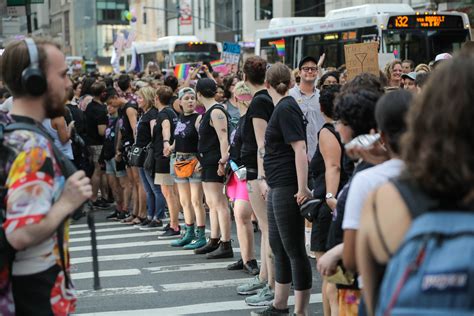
34 183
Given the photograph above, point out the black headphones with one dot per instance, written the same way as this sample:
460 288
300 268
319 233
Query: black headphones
32 78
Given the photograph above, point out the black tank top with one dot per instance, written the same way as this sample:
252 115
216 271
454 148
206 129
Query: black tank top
208 140
125 126
185 134
318 168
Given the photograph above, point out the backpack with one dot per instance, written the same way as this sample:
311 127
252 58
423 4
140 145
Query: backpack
7 253
432 272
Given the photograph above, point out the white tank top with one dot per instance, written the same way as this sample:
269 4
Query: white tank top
66 149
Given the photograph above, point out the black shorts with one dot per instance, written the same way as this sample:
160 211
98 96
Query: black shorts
320 230
209 174
162 165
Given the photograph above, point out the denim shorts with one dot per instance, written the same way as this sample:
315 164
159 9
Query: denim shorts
194 178
111 169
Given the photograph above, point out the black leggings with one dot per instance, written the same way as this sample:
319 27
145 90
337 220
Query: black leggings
286 233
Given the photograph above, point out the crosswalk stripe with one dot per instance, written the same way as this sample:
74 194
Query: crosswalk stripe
105 274
102 230
196 308
146 289
142 255
188 286
189 267
77 226
118 236
145 243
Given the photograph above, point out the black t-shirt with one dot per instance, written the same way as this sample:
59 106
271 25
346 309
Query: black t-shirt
125 126
166 114
186 135
236 142
144 129
318 167
110 138
287 125
96 114
260 107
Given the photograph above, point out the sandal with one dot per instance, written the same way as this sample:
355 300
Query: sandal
136 221
128 219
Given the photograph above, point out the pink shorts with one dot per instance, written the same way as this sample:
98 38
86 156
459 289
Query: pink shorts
237 189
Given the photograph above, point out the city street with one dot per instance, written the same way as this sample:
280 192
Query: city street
141 275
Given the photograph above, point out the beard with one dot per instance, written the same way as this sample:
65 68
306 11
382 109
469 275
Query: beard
53 106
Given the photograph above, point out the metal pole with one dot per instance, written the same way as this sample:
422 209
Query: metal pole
95 257
28 16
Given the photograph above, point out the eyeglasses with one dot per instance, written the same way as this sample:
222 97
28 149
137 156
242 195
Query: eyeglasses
307 69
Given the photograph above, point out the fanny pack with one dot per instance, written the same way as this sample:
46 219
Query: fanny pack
185 168
138 155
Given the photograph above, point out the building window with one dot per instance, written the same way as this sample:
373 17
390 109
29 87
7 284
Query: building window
263 9
110 11
309 8
67 32
144 17
35 21
199 13
207 13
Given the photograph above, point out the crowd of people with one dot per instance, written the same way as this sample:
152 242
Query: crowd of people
257 146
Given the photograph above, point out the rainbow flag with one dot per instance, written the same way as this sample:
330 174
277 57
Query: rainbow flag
217 63
181 71
280 46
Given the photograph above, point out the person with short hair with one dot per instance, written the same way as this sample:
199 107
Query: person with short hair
286 171
42 188
420 80
409 81
213 148
408 66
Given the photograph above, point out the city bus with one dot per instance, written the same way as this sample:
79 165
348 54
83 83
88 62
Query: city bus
418 36
169 51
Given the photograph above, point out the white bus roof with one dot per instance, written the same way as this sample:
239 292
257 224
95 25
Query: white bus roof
346 18
164 43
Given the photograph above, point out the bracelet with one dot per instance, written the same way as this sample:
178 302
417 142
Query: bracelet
166 141
262 178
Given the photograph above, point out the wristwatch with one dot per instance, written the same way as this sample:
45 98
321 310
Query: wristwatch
330 196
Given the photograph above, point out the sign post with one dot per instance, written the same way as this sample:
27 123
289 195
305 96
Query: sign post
361 58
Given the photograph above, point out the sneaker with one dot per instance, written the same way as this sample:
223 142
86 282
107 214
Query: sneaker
251 267
170 234
113 215
122 215
271 311
239 265
264 297
154 224
165 228
255 226
144 223
251 287
100 203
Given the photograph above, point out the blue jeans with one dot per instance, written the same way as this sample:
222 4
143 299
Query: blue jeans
155 201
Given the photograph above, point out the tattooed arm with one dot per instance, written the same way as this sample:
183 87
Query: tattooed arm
260 126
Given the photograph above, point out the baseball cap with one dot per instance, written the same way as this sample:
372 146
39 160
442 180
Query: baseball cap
443 56
305 60
184 91
207 87
410 75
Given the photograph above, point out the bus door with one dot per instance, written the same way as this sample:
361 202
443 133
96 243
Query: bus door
297 51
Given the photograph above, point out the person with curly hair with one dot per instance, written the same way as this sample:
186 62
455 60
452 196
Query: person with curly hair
394 72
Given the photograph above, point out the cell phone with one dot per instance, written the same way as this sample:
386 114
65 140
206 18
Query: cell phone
364 141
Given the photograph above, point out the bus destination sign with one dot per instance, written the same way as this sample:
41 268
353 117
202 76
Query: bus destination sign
425 21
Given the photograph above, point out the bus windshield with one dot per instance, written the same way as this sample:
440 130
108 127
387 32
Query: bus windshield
423 45
195 52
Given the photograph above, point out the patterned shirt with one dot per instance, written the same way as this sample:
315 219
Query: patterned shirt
34 183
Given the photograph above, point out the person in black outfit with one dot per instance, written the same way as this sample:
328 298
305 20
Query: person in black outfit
185 148
163 131
96 122
155 201
328 178
286 170
253 136
213 155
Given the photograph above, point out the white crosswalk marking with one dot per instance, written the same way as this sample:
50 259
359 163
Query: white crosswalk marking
141 275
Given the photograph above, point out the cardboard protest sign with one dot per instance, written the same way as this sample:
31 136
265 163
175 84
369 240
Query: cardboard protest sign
361 58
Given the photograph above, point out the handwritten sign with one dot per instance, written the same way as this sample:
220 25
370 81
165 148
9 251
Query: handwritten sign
361 58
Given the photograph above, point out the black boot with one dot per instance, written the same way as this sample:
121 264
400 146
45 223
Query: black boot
212 244
223 251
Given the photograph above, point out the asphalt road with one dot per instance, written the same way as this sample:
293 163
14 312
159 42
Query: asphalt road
141 275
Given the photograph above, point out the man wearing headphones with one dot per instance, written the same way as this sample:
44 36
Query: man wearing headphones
39 198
